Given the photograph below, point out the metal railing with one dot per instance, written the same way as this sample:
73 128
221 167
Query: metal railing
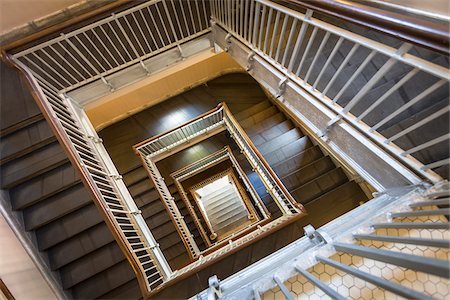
397 242
103 182
169 202
218 119
295 43
114 43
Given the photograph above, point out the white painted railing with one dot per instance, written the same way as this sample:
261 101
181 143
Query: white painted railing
294 43
116 42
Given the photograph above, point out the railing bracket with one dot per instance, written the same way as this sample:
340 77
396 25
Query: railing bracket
147 71
250 60
136 212
282 87
316 236
228 41
111 87
95 139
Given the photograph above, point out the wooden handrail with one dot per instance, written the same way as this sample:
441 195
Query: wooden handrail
432 35
262 159
135 147
88 183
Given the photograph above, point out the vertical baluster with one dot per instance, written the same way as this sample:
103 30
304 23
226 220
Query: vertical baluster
318 52
246 19
198 15
341 67
175 12
290 38
256 24
51 68
71 55
262 27
355 74
308 47
127 38
43 72
192 16
412 102
241 18
394 88
90 53
148 30
164 23
269 21
142 34
325 66
155 25
274 33
120 41
280 40
98 50
184 18
113 44
59 65
205 12
299 41
67 63
252 20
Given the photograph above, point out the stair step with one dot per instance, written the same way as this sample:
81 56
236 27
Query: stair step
32 165
226 207
266 124
21 125
68 226
334 203
271 133
258 117
253 110
230 200
77 246
45 186
307 173
231 215
288 151
129 290
26 139
55 207
320 185
104 281
225 211
91 265
297 161
280 141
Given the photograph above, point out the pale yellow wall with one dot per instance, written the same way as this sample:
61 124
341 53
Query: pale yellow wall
168 83
14 13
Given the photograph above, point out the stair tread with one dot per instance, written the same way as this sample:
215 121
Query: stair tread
32 165
258 117
298 161
280 141
319 185
252 110
307 173
55 207
44 186
271 133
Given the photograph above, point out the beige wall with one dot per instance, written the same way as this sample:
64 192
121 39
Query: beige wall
15 13
163 85
17 270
